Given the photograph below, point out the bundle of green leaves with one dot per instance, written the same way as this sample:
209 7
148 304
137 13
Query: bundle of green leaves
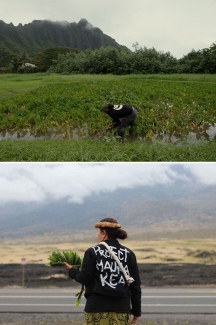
72 258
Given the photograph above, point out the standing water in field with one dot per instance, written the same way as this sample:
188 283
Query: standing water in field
205 132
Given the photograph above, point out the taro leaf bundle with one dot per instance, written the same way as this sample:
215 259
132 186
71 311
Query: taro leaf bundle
72 258
79 295
57 259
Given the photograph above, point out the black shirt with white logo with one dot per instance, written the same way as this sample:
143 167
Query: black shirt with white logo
106 287
119 111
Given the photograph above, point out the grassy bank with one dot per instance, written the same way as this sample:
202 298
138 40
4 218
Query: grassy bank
94 151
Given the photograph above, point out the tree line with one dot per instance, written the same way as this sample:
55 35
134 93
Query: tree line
110 60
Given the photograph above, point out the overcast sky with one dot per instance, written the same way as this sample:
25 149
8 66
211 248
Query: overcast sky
175 26
36 182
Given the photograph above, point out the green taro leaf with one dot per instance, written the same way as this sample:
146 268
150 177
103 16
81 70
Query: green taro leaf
72 258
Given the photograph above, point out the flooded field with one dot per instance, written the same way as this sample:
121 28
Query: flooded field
205 132
167 110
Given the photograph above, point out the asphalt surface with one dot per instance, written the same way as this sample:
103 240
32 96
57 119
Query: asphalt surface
167 301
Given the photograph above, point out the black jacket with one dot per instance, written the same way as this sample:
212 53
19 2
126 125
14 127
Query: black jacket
119 111
101 275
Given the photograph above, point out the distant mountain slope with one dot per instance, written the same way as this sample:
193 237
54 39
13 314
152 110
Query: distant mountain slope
42 34
179 205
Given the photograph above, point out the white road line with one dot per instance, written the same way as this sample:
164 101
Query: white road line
176 305
52 305
164 297
146 297
143 305
53 297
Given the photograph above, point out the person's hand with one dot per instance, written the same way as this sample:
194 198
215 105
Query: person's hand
135 319
67 266
110 126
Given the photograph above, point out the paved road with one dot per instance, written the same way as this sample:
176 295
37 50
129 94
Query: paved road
154 301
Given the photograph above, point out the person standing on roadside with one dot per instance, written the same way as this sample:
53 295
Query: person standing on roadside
122 116
109 297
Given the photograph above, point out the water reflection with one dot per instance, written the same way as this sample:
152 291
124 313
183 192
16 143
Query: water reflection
205 132
50 134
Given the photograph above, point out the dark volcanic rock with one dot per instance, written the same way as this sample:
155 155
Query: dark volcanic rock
39 275
177 275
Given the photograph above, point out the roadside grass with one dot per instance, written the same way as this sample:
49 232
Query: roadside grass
89 150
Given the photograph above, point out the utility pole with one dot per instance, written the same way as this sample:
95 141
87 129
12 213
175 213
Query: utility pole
23 263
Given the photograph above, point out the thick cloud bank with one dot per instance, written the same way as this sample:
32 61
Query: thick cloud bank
36 182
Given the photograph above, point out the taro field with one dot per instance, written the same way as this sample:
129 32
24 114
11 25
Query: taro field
165 107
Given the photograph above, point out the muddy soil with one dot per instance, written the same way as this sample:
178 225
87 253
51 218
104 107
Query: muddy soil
152 275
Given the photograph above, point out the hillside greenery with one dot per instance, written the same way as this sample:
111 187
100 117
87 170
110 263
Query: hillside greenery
43 34
141 61
110 60
80 48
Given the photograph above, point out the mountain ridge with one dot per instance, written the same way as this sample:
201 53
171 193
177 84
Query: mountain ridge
40 35
160 207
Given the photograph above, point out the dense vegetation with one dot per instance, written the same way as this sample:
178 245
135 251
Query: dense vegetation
71 48
110 60
165 107
141 61
169 107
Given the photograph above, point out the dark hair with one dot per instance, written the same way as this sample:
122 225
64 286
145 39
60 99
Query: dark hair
113 233
107 107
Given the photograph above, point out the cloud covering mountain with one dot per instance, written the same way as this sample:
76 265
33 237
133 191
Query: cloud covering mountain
39 198
74 182
174 26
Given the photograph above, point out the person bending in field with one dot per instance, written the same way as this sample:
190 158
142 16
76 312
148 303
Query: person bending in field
122 116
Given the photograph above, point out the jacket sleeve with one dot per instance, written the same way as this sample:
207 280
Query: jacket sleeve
115 119
86 275
135 289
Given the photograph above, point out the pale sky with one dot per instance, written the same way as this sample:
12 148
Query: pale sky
37 182
175 26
